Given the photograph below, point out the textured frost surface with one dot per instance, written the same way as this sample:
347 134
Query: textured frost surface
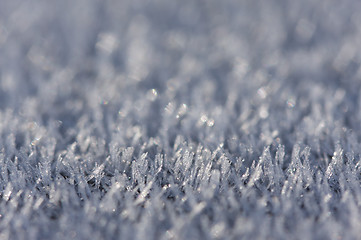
160 119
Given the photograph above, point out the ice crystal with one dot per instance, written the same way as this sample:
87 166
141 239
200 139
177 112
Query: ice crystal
160 119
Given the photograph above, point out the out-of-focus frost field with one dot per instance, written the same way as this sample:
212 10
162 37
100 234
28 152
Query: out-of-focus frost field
191 119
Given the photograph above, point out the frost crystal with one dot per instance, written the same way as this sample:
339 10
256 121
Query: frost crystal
160 119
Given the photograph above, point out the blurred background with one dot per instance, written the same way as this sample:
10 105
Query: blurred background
181 66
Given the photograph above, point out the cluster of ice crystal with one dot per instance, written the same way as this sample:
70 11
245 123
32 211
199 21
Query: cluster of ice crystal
189 119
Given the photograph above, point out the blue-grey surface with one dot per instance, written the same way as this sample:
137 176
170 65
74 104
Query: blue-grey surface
192 119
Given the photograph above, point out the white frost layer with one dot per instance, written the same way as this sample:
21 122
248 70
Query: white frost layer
161 119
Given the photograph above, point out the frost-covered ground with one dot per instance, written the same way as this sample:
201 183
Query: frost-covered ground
194 119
